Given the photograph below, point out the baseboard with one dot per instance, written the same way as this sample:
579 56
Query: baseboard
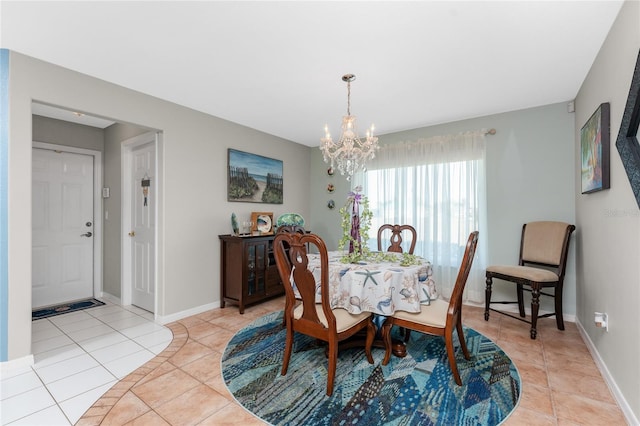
165 319
611 383
17 366
513 309
111 298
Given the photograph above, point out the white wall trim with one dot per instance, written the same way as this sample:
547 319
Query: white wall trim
97 205
111 298
165 319
608 378
126 161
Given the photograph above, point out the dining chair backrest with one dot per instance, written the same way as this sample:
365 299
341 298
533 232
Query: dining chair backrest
396 237
292 228
455 303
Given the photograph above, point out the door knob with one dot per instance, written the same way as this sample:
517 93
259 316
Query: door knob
132 233
88 234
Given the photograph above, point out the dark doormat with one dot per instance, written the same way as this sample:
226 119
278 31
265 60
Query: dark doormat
52 311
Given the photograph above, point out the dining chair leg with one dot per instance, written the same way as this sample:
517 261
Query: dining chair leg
451 354
288 346
487 297
463 343
333 362
386 338
371 334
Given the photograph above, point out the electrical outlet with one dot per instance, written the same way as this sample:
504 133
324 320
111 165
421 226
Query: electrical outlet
602 320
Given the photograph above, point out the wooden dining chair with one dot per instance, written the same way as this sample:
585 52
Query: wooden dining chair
439 318
292 228
544 247
306 316
396 237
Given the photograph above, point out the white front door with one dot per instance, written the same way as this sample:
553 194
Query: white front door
62 227
144 187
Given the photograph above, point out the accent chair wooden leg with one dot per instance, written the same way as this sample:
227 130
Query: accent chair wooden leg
487 297
558 303
535 305
521 300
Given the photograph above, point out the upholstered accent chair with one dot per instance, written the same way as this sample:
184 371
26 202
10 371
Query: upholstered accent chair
544 247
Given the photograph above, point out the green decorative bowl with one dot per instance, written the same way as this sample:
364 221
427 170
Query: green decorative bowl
290 219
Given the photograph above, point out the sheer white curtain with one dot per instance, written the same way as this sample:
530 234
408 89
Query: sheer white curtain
437 185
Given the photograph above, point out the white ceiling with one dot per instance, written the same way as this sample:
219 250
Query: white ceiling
277 66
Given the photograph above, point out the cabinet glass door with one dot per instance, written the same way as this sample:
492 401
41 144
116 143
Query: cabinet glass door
256 265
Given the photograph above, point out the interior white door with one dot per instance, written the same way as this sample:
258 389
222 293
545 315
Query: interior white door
62 227
143 202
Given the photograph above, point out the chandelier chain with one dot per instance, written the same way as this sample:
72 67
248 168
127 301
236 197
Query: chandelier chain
348 97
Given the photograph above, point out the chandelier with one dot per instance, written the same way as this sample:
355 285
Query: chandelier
350 153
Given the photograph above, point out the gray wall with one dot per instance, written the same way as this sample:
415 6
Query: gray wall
609 221
65 133
193 209
530 164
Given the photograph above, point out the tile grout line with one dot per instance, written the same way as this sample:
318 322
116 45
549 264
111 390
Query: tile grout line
78 345
111 400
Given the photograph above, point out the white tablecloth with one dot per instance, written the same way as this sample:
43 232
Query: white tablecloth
381 288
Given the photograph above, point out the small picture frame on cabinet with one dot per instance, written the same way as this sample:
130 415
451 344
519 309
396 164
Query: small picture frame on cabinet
262 223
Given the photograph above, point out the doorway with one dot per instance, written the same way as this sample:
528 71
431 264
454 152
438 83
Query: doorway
140 189
66 224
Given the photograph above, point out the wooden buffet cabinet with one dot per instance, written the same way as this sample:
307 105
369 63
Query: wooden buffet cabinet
248 272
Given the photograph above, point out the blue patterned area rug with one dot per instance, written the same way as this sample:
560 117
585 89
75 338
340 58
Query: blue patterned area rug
416 390
65 308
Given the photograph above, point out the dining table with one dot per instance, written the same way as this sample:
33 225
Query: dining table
382 284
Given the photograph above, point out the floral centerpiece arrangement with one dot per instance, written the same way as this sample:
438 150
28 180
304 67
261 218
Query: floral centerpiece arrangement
356 222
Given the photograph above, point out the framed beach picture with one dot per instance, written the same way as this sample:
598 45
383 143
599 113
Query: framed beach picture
253 178
594 151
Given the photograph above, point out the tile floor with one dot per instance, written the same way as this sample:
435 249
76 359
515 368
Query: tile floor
561 384
77 358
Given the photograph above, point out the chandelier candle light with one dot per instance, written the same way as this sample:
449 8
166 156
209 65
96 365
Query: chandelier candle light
350 153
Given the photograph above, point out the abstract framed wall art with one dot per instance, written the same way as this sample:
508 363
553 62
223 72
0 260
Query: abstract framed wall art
594 150
253 178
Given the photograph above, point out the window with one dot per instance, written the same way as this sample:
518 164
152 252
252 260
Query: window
437 186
